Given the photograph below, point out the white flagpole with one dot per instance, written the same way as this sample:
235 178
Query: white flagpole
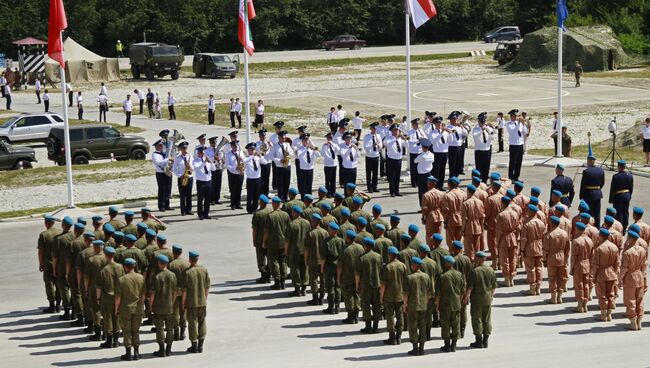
248 107
66 134
407 24
558 126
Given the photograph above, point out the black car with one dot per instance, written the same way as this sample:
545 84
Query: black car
16 157
508 33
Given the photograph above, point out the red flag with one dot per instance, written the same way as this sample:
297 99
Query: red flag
57 23
246 13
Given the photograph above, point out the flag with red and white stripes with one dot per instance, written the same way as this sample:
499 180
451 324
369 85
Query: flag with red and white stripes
246 13
420 11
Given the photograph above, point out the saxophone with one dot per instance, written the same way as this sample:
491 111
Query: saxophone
286 159
240 165
187 173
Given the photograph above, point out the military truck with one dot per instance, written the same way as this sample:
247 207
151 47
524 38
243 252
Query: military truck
506 51
215 65
155 59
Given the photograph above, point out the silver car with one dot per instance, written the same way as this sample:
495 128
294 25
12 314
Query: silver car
29 127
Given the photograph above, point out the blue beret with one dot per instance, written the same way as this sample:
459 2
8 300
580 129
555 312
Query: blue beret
424 248
603 232
536 190
345 211
381 227
437 237
109 250
534 200
316 216
432 178
322 189
519 184
89 235
454 179
413 228
633 234
130 237
585 215
264 199
145 210
49 218
393 251
581 225
351 234
481 254
293 191
161 237
326 206
611 210
82 220
68 221
79 226
377 208
177 248
277 199
368 241
112 209
458 244
634 227
350 186
98 243
308 197
129 213
559 166
476 179
638 210
357 200
416 260
449 259
118 235
405 236
395 218
555 220
560 207
334 226
297 209
338 196
129 262
362 220
510 193
496 183
142 225
609 219
108 228
532 207
557 193
583 205
150 232
476 172
471 188
622 163
96 218
162 258
506 199
495 176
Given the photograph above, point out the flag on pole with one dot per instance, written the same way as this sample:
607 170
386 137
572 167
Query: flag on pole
420 11
57 23
246 13
562 14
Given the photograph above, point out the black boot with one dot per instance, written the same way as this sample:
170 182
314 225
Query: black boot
375 326
391 339
415 350
108 343
368 328
295 292
168 349
51 308
177 333
336 308
66 315
447 347
161 350
261 280
181 337
267 277
329 309
116 340
80 322
57 307
428 332
436 320
485 341
127 356
421 349
349 320
398 338
276 285
136 352
193 348
453 345
355 314
89 327
321 296
281 284
478 343
148 322
98 334
199 348
314 300
462 332
303 290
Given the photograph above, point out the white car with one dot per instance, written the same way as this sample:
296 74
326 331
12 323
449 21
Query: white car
29 127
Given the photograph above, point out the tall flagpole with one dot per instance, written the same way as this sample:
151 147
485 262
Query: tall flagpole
407 25
248 107
66 133
558 126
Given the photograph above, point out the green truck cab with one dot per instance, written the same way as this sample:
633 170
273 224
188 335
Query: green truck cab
215 65
506 51
155 59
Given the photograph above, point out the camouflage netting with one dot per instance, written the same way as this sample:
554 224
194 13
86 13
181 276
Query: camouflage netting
596 48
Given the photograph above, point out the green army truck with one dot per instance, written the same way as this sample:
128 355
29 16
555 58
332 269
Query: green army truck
155 60
215 65
506 51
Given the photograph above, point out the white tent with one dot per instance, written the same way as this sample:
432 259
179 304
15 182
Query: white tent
83 65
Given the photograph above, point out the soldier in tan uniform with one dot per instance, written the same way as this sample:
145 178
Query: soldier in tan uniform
632 240
473 214
46 241
258 221
432 209
113 220
162 296
506 233
195 298
637 215
633 280
492 210
179 266
451 206
368 283
109 277
520 199
393 283
580 269
605 264
614 236
129 299
556 247
617 225
532 235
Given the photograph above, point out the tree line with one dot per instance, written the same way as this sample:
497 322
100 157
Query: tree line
211 25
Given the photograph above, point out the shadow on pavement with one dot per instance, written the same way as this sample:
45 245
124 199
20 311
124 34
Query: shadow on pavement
14 314
279 305
569 321
318 323
611 328
546 313
242 290
317 312
259 297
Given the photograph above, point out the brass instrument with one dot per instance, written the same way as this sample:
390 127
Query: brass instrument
286 158
187 173
264 148
175 138
240 165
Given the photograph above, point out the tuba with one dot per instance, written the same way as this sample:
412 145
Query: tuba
175 138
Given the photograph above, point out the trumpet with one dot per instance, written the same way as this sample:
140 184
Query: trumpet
264 148
240 166
310 144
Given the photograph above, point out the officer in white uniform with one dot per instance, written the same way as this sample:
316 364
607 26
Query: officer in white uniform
372 146
338 140
424 163
414 148
202 141
483 134
306 155
160 161
253 172
283 166
217 158
394 153
439 138
273 139
456 136
234 161
517 132
180 166
265 164
350 159
203 174
329 150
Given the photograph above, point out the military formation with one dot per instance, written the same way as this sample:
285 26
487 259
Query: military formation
112 277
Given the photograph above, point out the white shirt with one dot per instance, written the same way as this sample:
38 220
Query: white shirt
159 161
3 81
215 156
141 95
303 153
357 122
440 140
350 156
232 107
274 139
232 159
645 130
457 135
394 147
211 104
333 117
171 100
37 85
80 100
516 133
278 152
179 164
341 113
252 167
7 89
102 99
501 124
128 105
259 110
238 107
68 87
202 169
372 145
264 160
103 90
425 162
46 97
482 138
383 131
329 152
414 140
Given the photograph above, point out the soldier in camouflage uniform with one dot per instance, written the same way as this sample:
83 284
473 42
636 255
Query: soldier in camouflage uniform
393 283
129 297
314 258
481 286
195 296
367 278
332 251
179 266
46 243
418 291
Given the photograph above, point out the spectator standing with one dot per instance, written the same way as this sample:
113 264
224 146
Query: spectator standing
80 106
141 97
3 82
171 101
7 89
238 112
340 112
68 88
46 100
158 107
232 112
333 119
566 142
103 106
501 124
128 108
37 88
103 90
150 100
357 123
211 107
259 115
645 135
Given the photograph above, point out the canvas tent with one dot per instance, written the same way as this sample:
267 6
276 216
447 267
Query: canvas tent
83 65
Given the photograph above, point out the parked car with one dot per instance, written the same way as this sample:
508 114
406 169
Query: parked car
95 142
215 65
344 42
506 51
29 127
15 157
155 59
508 33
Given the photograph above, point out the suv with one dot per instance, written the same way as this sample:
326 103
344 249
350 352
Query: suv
29 127
344 42
508 33
215 65
95 142
155 59
15 157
